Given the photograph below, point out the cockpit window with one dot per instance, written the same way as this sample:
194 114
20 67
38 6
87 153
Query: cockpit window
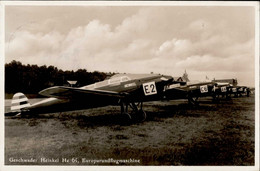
112 80
118 79
125 78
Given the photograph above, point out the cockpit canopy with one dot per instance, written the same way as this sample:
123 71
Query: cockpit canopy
114 80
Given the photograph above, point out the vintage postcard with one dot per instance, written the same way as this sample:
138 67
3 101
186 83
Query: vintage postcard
143 85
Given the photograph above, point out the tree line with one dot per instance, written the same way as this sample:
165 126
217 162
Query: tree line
30 79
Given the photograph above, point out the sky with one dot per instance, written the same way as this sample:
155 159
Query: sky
213 41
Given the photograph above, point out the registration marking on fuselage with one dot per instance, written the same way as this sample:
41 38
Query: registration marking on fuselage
149 88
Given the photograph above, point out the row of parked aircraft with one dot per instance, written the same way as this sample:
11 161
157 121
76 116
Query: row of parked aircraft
127 90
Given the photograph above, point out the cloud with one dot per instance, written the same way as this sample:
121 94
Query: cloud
152 39
30 45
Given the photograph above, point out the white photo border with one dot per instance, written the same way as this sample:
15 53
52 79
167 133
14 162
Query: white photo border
3 4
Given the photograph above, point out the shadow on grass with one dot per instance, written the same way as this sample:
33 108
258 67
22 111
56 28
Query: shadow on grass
106 116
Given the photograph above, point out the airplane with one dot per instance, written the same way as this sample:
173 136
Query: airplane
126 90
221 89
189 91
194 91
239 91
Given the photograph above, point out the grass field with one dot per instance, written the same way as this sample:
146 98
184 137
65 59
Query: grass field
174 134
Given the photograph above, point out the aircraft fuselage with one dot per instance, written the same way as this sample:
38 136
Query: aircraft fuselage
140 88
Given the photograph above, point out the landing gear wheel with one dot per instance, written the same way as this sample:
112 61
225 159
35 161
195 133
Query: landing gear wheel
127 116
136 112
215 98
141 114
228 96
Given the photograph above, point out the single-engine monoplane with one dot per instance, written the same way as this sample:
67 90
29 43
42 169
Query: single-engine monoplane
126 90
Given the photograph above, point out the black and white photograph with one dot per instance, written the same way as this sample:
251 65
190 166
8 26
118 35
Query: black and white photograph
130 84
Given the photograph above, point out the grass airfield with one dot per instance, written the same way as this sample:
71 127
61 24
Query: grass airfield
174 133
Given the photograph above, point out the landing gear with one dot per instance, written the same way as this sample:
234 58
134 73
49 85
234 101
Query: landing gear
124 111
193 100
136 113
228 95
216 97
247 92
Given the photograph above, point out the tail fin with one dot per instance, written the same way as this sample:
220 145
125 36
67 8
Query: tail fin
19 102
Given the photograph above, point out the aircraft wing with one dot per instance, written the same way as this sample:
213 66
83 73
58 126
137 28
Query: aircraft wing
62 92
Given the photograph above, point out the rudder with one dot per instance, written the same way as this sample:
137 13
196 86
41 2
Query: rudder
19 102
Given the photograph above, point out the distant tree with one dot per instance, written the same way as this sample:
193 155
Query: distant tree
34 78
